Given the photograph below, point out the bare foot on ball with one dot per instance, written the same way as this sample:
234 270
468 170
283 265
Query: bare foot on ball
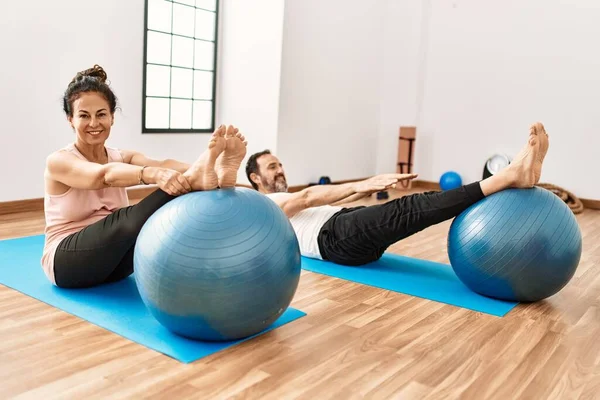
526 169
229 161
202 175
544 140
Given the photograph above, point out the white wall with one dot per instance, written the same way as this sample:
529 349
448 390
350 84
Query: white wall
43 44
403 61
250 67
492 69
310 78
329 102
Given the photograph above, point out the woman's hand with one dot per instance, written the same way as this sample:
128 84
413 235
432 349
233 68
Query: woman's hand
172 182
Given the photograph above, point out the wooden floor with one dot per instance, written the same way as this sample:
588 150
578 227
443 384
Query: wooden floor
355 342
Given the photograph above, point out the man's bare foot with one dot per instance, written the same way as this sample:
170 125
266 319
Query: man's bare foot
544 140
229 161
202 175
526 169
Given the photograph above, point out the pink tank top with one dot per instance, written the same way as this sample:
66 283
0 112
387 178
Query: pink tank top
75 209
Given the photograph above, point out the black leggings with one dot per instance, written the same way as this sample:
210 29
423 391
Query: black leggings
103 252
359 235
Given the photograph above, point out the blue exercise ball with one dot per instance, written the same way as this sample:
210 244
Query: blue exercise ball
217 265
450 180
518 245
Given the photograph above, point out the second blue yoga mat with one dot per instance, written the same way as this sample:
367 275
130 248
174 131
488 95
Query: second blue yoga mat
117 307
420 278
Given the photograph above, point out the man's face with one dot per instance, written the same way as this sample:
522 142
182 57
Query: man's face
271 176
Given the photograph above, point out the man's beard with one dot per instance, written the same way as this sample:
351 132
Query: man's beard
278 185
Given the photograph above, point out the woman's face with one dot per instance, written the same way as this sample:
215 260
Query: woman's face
91 118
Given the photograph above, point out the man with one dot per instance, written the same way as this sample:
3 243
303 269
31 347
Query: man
359 235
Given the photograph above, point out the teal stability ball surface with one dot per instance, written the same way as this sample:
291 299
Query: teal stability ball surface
518 244
217 265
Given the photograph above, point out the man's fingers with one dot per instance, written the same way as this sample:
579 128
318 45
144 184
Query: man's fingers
404 177
399 177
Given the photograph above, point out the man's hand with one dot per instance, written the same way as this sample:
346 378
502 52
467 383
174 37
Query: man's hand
381 182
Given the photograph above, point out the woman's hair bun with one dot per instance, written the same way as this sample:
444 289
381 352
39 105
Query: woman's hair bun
95 72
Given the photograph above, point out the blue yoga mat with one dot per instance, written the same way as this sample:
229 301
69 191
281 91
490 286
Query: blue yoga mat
420 278
117 307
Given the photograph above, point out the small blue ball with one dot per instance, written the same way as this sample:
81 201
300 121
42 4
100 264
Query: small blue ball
450 180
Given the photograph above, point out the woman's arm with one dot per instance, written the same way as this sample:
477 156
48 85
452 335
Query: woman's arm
137 158
74 172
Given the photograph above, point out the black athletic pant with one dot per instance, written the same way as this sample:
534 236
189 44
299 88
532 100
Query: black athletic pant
103 251
359 235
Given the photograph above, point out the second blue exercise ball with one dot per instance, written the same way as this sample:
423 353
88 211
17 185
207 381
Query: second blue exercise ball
517 245
450 180
217 265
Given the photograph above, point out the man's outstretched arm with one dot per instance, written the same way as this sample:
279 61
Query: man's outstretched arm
313 196
320 195
361 195
352 198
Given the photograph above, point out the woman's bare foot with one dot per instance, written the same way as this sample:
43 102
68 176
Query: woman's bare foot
229 161
202 175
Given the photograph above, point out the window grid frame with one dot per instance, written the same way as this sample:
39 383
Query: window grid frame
192 100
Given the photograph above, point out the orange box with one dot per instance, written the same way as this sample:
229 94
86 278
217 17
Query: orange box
406 151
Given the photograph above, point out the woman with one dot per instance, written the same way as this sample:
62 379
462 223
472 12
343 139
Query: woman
90 228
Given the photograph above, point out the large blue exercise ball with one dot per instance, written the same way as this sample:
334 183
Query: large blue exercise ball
518 245
217 265
450 180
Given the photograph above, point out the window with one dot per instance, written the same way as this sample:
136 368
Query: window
180 53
